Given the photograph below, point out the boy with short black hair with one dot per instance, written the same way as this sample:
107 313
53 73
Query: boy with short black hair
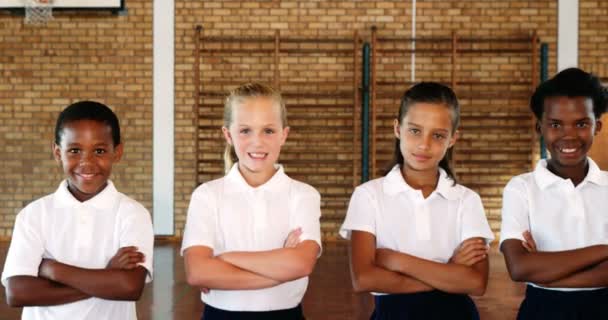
85 251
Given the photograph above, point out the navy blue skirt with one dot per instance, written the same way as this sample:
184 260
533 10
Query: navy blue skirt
432 305
561 305
211 313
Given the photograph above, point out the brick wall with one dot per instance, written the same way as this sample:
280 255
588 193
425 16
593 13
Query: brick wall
593 36
94 55
220 73
493 87
593 45
393 19
109 58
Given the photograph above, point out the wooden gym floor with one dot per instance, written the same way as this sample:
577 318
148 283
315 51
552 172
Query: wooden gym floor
329 294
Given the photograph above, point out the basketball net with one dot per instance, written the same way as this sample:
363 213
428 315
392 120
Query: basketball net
38 12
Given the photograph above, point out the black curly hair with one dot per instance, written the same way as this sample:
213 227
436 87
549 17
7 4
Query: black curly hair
572 82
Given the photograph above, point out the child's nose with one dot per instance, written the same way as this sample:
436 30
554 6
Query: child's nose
425 143
570 131
258 138
87 157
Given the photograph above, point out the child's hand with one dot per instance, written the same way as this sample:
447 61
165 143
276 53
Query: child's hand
126 258
293 238
469 252
529 243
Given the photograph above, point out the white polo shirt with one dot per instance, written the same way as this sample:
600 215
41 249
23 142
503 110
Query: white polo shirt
82 234
228 214
403 220
559 215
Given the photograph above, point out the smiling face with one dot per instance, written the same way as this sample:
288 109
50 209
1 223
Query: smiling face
86 153
425 134
257 134
568 126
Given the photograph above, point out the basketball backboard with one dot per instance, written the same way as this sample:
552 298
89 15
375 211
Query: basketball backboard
69 4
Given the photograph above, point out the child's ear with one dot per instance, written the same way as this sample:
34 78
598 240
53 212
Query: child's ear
56 149
285 134
118 150
455 136
397 128
537 127
227 136
598 126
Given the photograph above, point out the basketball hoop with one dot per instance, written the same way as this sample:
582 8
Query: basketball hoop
38 12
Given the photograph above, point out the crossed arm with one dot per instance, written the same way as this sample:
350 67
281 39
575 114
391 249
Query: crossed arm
59 283
388 271
578 268
250 270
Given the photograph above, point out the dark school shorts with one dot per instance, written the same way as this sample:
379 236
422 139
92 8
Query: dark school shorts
212 313
561 305
432 305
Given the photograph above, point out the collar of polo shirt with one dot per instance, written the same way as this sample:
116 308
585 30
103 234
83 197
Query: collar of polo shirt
394 184
104 200
236 182
545 178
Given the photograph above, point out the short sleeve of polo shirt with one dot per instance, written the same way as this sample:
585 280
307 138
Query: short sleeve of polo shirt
515 211
307 212
201 222
474 221
26 248
361 214
136 230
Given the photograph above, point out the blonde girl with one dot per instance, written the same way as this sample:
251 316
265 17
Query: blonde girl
252 237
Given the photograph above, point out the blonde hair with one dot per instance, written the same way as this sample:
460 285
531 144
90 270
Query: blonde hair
237 97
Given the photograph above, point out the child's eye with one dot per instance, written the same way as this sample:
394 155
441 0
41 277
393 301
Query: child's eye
244 131
413 131
582 125
74 150
554 125
100 151
268 131
438 136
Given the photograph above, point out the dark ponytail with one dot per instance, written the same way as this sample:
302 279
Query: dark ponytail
428 92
